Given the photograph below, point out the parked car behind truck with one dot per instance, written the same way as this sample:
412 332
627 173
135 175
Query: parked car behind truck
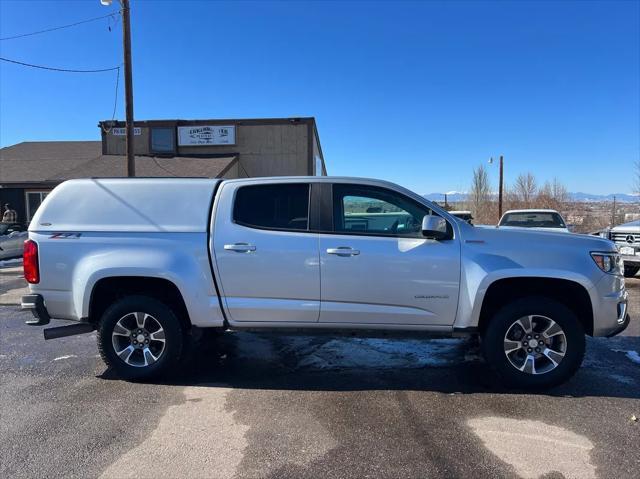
538 219
627 239
144 261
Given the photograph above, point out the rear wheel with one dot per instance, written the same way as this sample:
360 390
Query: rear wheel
630 271
534 342
140 337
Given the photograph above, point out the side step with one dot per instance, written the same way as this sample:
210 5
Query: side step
71 330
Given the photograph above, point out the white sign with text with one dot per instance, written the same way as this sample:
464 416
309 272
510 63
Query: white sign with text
202 135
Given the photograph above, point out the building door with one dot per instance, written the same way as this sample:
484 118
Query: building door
377 268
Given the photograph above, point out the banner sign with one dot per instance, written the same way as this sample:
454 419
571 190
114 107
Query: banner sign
202 135
123 131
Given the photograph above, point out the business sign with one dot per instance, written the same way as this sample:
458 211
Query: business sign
123 131
202 135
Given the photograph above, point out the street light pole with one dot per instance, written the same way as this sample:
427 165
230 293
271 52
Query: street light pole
128 83
128 87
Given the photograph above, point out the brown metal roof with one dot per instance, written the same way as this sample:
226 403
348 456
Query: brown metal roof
55 161
34 161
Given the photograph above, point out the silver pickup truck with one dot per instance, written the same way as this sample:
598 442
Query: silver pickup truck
145 261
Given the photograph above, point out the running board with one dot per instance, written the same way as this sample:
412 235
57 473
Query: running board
71 330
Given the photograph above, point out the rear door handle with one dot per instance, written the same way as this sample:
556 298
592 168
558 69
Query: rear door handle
343 251
240 247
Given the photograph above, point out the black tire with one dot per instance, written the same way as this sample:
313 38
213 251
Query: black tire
630 271
167 358
493 342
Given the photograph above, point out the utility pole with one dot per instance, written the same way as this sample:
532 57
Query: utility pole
500 185
128 82
500 188
128 87
613 213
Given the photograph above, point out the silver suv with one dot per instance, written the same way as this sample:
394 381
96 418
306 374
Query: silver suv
627 239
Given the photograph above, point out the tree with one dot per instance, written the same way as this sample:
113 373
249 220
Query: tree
552 195
525 189
480 196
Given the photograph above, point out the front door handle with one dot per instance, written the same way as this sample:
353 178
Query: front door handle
343 251
240 247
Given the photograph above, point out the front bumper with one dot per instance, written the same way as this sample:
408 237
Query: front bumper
632 260
35 304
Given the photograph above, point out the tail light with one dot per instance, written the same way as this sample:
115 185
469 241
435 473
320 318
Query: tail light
30 262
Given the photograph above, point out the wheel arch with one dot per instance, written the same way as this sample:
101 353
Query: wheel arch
109 289
568 292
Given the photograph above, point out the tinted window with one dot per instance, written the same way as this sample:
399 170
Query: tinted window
162 140
540 219
369 210
283 206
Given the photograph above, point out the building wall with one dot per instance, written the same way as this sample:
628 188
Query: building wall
268 149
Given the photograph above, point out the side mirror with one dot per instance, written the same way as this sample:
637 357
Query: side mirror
434 227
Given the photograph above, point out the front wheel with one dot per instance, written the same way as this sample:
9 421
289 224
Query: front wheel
630 271
534 343
140 338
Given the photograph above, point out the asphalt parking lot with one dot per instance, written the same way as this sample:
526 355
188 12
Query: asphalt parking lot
260 405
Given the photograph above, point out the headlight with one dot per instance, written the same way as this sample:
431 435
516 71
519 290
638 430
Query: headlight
608 262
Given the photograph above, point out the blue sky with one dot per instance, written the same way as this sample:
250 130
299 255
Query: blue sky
418 93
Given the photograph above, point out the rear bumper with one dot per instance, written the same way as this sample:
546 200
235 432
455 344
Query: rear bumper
35 304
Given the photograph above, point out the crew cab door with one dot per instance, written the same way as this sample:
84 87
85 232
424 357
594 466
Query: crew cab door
266 257
377 268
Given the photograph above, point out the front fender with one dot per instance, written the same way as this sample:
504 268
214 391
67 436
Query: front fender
478 281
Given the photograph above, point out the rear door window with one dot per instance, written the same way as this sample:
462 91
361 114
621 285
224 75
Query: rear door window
281 206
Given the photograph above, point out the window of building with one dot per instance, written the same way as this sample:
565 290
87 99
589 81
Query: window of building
376 211
163 140
34 199
281 206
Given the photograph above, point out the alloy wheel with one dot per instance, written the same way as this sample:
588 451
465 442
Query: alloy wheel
138 339
535 344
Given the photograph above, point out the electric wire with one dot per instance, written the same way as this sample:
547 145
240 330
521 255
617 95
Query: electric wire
115 104
112 14
55 69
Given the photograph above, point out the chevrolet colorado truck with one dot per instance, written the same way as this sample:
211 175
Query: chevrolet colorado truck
146 262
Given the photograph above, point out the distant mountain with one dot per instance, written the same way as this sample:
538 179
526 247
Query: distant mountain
452 196
591 198
457 196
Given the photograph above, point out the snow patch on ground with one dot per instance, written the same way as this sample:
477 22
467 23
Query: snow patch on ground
318 352
632 355
68 356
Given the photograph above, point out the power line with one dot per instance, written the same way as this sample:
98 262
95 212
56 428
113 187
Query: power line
58 28
115 104
67 70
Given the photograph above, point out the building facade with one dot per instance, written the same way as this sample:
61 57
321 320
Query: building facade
163 148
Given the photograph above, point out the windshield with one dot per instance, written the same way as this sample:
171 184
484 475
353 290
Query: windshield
533 219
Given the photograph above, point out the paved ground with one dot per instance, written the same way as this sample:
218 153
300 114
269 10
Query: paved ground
249 405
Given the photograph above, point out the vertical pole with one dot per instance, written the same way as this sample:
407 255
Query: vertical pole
128 87
500 189
613 213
